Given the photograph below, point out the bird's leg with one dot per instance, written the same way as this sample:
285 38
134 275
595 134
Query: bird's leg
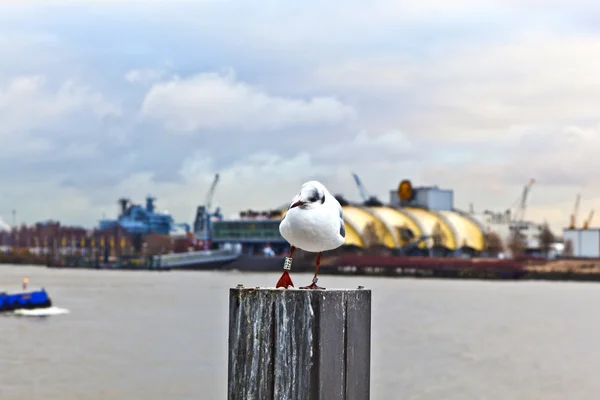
285 280
313 285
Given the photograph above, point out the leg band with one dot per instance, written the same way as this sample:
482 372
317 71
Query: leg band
287 265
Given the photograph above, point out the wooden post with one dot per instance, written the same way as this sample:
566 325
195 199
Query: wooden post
299 344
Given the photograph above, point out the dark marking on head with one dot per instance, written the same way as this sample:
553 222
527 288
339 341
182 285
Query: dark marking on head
341 214
342 229
314 196
323 199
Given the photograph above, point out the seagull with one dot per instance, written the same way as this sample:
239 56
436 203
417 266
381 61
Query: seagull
314 222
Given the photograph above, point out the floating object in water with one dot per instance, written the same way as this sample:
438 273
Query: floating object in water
24 301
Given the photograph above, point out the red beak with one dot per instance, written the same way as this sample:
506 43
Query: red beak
296 204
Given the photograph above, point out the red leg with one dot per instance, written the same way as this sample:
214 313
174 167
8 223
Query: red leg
313 285
285 280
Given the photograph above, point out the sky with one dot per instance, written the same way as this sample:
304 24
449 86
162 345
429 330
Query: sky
107 99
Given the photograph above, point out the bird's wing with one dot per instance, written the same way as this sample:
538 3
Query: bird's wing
339 207
341 214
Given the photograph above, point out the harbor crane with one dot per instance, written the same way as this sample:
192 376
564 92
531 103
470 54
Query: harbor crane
202 223
586 223
368 200
211 193
521 207
361 189
575 212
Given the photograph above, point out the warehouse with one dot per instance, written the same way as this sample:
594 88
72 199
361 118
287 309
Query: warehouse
585 242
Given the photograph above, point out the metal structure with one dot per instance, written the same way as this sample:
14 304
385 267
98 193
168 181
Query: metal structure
197 259
361 189
137 219
575 212
517 224
204 217
588 221
519 214
366 198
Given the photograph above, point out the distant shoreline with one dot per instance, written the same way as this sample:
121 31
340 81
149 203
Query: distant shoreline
22 259
582 270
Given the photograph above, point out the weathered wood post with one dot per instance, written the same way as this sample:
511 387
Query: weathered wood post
298 344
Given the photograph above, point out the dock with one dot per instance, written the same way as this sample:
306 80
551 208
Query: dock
197 260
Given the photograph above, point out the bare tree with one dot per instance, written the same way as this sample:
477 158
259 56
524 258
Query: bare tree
546 239
438 236
516 244
370 235
568 251
493 243
406 234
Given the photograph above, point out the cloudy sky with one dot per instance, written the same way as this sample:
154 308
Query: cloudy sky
103 99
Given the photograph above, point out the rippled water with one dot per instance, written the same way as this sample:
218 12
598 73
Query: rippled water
163 336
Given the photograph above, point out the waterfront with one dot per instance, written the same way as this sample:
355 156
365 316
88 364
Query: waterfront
135 334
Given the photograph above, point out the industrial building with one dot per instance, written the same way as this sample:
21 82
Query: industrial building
585 242
504 225
136 219
424 217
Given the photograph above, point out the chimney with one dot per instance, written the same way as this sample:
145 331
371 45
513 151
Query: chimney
123 202
150 204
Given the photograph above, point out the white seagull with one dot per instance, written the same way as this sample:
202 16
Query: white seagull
314 222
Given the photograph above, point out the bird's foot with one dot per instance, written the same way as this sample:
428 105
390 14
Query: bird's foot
285 281
313 285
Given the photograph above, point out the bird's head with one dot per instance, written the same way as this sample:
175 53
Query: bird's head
312 194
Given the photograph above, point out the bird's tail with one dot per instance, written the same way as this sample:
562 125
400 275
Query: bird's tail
285 280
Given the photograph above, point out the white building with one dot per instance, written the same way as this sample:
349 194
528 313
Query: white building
586 242
503 226
4 226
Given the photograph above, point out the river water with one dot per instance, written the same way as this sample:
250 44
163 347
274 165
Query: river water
163 336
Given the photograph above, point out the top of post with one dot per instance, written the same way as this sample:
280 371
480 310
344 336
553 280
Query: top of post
241 287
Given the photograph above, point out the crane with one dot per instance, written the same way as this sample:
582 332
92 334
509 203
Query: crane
520 209
522 203
367 200
361 188
575 212
202 223
211 193
586 223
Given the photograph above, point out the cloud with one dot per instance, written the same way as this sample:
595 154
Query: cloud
219 101
33 115
475 96
477 93
555 158
26 103
364 148
144 75
509 111
259 181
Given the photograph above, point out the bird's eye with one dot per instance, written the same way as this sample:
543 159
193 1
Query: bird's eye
314 196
